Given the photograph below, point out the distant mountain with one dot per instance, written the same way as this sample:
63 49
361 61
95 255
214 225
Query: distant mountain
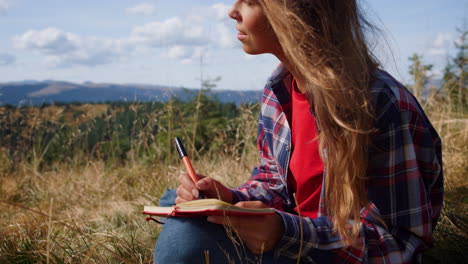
32 92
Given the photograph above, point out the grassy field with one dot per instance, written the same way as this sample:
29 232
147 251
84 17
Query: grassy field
88 211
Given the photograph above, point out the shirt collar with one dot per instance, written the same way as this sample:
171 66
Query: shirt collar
278 74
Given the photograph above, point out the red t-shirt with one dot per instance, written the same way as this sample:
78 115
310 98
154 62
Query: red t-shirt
305 166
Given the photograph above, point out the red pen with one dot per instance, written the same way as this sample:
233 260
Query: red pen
183 155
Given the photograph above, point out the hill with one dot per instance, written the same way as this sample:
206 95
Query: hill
40 92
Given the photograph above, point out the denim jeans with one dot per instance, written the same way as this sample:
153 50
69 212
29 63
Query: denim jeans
194 240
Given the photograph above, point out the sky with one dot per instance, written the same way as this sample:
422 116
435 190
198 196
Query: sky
179 42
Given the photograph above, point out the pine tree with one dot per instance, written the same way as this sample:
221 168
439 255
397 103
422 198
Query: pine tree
455 75
420 72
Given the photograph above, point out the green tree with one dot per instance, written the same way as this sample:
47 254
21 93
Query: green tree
420 73
455 74
206 85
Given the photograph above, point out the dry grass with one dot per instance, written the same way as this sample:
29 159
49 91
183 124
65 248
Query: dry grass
451 236
91 213
95 215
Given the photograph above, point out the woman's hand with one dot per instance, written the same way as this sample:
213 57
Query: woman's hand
188 191
259 233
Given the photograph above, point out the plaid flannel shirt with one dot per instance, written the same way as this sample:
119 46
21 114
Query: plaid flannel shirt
405 180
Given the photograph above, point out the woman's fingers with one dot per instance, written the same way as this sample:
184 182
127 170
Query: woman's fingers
207 186
185 181
179 200
186 190
186 194
214 189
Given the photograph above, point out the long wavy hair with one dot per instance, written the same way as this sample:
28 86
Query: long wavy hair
326 42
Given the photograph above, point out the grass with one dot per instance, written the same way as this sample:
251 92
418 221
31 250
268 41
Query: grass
95 214
89 212
451 235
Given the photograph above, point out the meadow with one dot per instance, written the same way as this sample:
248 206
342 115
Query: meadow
74 178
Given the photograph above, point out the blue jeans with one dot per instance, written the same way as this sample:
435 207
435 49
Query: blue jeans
186 240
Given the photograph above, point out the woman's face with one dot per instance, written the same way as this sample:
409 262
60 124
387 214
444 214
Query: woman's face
255 32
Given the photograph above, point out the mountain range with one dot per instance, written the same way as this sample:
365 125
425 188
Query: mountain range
29 92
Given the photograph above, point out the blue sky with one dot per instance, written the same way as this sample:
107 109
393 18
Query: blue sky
161 42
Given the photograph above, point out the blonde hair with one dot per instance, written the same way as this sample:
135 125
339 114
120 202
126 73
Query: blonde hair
325 41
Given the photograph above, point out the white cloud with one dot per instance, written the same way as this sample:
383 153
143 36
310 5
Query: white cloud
178 52
180 38
6 59
220 11
224 36
187 54
173 31
207 27
49 40
442 44
443 38
196 55
217 12
65 49
145 9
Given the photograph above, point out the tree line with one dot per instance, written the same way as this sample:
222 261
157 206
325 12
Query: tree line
121 132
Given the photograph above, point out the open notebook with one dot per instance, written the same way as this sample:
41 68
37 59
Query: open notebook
205 207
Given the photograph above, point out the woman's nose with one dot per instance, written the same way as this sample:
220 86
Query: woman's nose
234 13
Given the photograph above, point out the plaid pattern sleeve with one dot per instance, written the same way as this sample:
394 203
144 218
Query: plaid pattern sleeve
268 181
405 189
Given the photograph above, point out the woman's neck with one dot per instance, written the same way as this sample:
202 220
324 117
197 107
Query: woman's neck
300 84
300 80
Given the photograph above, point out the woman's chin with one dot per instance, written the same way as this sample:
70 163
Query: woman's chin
250 50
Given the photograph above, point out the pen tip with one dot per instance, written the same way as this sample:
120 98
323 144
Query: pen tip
180 147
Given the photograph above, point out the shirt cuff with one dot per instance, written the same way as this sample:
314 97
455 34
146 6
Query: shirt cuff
237 196
289 243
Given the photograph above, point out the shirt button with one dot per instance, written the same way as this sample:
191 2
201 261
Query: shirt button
288 148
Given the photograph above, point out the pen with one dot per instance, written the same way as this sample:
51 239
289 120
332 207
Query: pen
183 155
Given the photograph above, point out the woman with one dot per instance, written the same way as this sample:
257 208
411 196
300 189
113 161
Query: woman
348 157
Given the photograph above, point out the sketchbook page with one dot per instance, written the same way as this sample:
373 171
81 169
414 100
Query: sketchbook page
156 210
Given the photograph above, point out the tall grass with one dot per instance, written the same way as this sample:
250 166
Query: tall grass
451 235
87 207
65 200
